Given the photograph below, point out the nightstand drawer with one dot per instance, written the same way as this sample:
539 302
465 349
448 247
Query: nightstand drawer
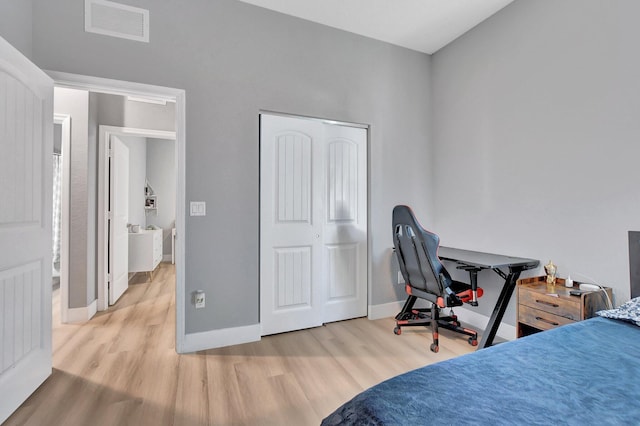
541 320
554 305
539 310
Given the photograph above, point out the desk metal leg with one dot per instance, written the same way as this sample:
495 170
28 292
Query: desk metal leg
501 306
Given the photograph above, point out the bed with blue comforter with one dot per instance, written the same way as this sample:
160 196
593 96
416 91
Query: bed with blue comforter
580 374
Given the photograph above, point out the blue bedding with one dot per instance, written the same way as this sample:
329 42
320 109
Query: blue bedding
579 374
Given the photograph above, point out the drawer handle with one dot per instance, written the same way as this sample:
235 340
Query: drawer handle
547 321
544 302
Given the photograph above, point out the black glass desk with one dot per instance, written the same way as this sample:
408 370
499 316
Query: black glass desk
474 261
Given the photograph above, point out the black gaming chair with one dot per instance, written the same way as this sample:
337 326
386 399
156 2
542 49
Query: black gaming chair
426 278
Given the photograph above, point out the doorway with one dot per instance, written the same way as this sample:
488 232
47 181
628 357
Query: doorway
147 147
117 87
313 222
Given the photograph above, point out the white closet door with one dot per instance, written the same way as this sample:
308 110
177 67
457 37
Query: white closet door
290 224
313 230
345 223
26 144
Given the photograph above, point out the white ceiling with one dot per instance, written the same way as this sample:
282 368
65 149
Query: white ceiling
423 25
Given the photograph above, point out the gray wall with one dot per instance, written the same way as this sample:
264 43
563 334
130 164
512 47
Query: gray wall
16 24
536 136
115 110
82 253
234 59
137 174
92 196
532 114
57 138
161 172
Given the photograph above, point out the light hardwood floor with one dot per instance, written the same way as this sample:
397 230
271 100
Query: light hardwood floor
121 368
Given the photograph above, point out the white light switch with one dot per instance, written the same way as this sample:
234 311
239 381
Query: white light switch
198 208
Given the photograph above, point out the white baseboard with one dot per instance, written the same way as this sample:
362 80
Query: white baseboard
218 338
194 342
385 310
479 321
166 258
467 316
82 314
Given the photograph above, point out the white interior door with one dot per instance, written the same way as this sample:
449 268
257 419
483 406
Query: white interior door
119 218
290 225
26 147
345 222
312 223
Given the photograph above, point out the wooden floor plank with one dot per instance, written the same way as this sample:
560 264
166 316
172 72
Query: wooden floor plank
121 368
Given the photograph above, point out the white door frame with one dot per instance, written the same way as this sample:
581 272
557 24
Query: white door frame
125 88
104 135
65 121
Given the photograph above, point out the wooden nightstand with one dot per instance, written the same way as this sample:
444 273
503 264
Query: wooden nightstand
539 310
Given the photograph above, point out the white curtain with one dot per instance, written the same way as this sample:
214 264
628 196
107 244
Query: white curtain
57 205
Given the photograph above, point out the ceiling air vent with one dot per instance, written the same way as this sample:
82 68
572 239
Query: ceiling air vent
117 20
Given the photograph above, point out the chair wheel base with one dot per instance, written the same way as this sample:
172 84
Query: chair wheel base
434 348
473 342
397 331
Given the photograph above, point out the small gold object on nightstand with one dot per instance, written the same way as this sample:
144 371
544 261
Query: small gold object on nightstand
551 270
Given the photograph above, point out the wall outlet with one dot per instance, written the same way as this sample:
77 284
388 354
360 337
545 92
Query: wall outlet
198 299
400 278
